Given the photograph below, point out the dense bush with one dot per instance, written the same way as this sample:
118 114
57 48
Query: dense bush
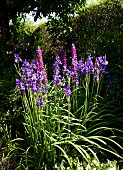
98 31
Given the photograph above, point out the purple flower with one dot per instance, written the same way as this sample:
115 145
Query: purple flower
89 64
68 72
96 77
33 64
64 63
18 84
73 50
22 87
100 67
101 62
18 81
67 91
105 71
34 86
40 65
80 65
58 61
17 58
44 90
111 80
40 59
40 102
75 69
30 77
56 72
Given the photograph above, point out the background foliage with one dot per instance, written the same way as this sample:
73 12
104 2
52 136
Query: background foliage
96 30
99 31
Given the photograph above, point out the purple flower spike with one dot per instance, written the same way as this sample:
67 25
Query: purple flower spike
64 63
40 59
56 71
75 65
74 58
73 50
40 65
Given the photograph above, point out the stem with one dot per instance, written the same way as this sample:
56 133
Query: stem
86 103
58 111
69 107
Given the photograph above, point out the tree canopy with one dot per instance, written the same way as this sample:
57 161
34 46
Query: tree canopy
9 9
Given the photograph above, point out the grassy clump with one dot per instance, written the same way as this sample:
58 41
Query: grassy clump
67 124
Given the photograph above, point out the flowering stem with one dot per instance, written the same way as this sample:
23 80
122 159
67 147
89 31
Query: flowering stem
58 111
97 92
69 106
87 79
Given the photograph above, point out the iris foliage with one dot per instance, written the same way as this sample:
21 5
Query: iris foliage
67 123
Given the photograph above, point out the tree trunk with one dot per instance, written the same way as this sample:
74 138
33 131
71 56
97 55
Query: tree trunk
5 26
4 22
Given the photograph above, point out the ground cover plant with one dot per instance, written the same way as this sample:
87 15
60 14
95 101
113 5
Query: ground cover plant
67 124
